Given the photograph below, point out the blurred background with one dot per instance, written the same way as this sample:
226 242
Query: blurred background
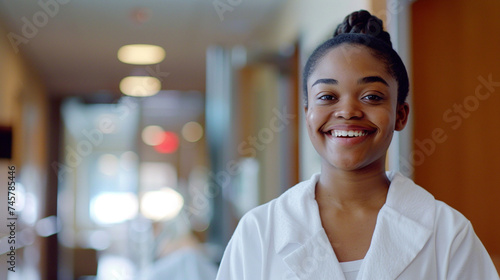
141 131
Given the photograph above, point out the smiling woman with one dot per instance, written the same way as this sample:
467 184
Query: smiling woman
348 95
354 220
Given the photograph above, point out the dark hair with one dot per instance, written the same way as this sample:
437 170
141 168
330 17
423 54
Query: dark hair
364 29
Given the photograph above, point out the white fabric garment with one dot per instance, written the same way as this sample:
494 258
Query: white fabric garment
189 263
351 269
415 237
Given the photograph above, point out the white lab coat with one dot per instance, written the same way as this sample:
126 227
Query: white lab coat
183 264
415 237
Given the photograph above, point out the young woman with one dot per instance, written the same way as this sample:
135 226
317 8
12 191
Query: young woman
354 220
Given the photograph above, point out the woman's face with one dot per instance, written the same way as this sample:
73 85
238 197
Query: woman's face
352 108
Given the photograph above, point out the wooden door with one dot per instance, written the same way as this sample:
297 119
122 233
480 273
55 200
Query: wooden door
456 101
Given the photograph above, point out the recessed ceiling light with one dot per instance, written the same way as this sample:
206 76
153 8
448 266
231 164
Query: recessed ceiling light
141 54
140 86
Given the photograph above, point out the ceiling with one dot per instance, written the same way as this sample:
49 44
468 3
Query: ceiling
72 44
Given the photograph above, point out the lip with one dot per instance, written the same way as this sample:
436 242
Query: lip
366 128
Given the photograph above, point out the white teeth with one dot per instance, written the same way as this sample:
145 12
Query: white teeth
349 133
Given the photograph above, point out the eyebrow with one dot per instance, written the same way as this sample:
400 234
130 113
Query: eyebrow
326 81
372 79
365 80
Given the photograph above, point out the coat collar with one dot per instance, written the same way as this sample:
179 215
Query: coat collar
404 224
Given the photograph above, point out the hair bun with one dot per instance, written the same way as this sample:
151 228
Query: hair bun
365 23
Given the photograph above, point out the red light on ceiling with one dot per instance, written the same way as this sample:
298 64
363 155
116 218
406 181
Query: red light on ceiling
140 15
169 144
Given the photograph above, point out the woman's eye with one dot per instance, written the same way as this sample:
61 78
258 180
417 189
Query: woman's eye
372 97
326 97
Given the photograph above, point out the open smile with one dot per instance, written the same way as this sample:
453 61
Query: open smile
348 133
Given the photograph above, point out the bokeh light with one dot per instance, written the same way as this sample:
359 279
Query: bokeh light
192 131
164 204
140 86
108 164
152 135
129 161
141 54
113 207
169 144
115 267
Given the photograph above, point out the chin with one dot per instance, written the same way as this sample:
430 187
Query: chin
347 165
350 164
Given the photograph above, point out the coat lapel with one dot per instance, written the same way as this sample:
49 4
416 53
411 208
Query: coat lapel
300 238
395 243
404 225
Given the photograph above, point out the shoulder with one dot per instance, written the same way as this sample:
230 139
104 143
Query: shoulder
288 203
292 215
415 202
452 227
262 233
449 216
457 244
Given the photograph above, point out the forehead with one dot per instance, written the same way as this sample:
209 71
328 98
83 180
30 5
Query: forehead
350 62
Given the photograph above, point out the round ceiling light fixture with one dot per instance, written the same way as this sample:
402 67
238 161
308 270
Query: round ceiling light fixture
140 86
141 54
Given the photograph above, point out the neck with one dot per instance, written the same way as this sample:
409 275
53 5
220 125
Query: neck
365 188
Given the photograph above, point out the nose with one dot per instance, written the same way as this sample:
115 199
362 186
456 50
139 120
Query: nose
348 109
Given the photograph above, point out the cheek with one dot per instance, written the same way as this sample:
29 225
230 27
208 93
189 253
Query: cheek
310 116
313 123
387 119
314 119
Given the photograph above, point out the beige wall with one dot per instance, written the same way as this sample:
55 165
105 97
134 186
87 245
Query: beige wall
314 21
23 106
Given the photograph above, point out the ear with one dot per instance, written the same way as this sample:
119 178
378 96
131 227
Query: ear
402 112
